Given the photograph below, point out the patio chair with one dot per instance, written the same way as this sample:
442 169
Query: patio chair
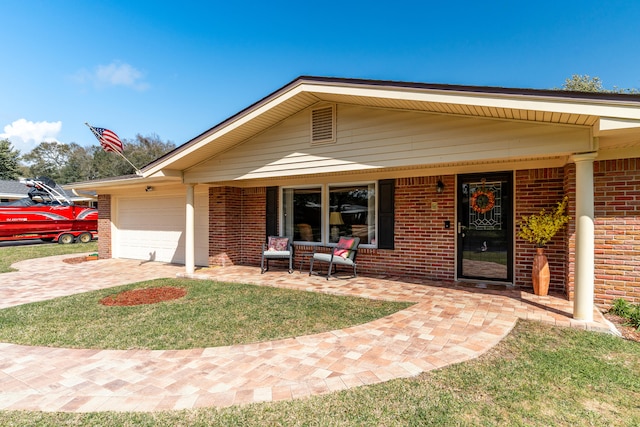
276 248
343 254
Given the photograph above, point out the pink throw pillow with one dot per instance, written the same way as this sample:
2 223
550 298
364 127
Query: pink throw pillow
277 244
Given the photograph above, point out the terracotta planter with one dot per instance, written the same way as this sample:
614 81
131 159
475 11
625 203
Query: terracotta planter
92 258
540 273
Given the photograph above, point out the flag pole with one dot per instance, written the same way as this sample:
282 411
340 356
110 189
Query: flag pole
99 137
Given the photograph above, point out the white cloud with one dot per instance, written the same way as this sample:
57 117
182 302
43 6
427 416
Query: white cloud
114 74
25 135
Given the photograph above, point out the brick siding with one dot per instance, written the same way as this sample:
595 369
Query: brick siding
237 224
104 226
423 246
538 189
617 230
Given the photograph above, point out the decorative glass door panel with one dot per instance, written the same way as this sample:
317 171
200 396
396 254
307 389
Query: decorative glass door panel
485 227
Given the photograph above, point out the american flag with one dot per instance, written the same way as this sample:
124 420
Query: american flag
108 139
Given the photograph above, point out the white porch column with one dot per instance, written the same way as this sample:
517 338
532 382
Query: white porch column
189 239
585 259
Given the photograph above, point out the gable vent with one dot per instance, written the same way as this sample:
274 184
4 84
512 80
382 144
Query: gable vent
323 125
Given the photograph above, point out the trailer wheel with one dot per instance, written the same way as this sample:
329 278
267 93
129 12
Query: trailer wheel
85 238
65 239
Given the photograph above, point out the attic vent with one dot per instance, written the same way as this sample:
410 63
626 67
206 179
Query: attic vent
323 125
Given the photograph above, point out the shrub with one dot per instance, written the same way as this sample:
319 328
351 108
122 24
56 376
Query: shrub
629 311
540 229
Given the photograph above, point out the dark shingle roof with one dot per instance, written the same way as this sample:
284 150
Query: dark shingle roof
13 189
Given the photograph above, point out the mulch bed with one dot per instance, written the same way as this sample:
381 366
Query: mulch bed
76 260
144 296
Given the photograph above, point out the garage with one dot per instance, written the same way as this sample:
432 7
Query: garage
151 228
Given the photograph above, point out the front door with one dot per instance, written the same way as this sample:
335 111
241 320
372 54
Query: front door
485 227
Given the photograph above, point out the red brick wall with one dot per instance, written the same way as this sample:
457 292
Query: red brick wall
104 226
617 230
536 189
225 214
253 224
570 241
423 247
236 225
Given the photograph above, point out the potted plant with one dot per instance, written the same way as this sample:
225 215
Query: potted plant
540 229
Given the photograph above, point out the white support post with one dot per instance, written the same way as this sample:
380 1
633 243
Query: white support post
585 232
189 241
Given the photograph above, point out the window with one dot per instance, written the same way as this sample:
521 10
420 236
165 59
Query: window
302 210
352 212
323 214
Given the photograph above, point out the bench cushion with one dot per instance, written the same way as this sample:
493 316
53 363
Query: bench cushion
336 259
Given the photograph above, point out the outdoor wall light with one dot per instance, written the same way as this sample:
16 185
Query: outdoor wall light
440 186
149 188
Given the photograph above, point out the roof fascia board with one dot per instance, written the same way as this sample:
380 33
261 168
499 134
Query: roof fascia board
597 107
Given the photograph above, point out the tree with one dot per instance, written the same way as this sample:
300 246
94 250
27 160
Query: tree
48 159
141 151
65 163
9 165
78 165
586 83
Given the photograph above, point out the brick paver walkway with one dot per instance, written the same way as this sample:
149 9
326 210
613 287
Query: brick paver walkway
449 324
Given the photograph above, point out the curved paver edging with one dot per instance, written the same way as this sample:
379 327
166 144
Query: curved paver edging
445 326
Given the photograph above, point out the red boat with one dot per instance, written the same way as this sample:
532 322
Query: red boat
47 214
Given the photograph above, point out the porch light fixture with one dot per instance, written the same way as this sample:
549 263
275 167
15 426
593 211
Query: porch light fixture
440 186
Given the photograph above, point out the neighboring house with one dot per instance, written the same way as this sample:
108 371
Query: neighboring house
12 190
433 178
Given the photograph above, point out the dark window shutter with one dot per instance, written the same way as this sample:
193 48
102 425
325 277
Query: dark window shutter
386 213
272 211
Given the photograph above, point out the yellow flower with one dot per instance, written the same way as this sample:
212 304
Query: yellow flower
540 229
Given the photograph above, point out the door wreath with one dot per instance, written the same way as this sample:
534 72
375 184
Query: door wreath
483 200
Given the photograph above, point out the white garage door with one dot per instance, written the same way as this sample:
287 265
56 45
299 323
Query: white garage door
152 228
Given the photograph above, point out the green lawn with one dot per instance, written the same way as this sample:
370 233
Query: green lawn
11 254
211 314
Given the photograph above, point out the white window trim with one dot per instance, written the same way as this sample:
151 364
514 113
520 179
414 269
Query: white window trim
324 197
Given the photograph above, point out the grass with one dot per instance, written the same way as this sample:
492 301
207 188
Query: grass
538 376
13 254
211 314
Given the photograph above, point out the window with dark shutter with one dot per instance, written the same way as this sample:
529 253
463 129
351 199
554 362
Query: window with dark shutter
386 213
272 211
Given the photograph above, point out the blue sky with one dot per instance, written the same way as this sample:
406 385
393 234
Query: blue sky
175 69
